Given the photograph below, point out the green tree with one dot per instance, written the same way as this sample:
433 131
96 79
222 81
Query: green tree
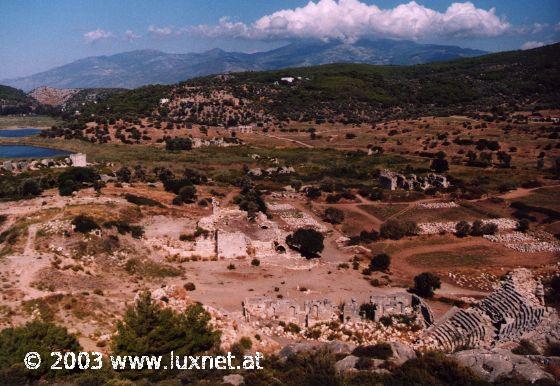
35 336
333 215
149 329
462 229
426 283
380 262
308 242
187 194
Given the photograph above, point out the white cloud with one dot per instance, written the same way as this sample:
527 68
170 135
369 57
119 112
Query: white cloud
129 36
351 19
539 27
532 44
163 31
98 34
557 27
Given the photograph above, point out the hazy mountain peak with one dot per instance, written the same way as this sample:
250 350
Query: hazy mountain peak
148 66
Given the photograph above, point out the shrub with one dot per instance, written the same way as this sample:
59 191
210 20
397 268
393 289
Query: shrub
231 266
553 349
178 144
312 192
425 284
246 342
187 194
255 262
523 225
137 200
462 229
367 310
308 242
30 187
380 262
555 287
67 187
84 224
124 174
396 230
333 216
525 347
293 328
189 286
380 351
439 165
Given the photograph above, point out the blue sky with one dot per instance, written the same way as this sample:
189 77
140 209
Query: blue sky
36 35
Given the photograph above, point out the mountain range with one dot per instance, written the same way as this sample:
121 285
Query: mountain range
137 68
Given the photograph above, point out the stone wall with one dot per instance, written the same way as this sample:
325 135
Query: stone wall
315 311
393 181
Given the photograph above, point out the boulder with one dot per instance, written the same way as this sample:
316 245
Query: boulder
346 364
401 353
493 364
233 379
338 347
295 348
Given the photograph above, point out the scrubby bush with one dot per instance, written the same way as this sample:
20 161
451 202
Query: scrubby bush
137 200
124 174
425 284
187 194
189 286
333 216
178 144
255 262
367 310
84 224
462 229
380 351
395 230
308 242
523 225
30 187
380 262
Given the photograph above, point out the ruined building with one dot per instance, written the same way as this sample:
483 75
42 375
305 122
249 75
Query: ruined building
393 181
514 309
316 311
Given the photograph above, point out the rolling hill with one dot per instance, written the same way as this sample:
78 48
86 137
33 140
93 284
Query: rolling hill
142 67
354 92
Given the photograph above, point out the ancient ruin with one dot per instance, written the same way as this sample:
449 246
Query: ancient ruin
514 309
393 181
315 311
75 160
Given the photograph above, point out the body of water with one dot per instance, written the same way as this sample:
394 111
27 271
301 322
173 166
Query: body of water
19 132
24 151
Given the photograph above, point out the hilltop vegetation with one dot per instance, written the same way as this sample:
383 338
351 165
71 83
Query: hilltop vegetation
13 101
349 93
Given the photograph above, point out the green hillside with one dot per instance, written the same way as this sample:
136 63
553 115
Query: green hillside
360 92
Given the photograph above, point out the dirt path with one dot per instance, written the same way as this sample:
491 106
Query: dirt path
30 243
292 140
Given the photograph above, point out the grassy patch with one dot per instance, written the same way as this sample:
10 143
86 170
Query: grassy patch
383 212
420 214
150 268
33 121
466 257
544 198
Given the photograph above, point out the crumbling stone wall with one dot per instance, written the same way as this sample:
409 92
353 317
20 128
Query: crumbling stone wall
315 311
392 181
